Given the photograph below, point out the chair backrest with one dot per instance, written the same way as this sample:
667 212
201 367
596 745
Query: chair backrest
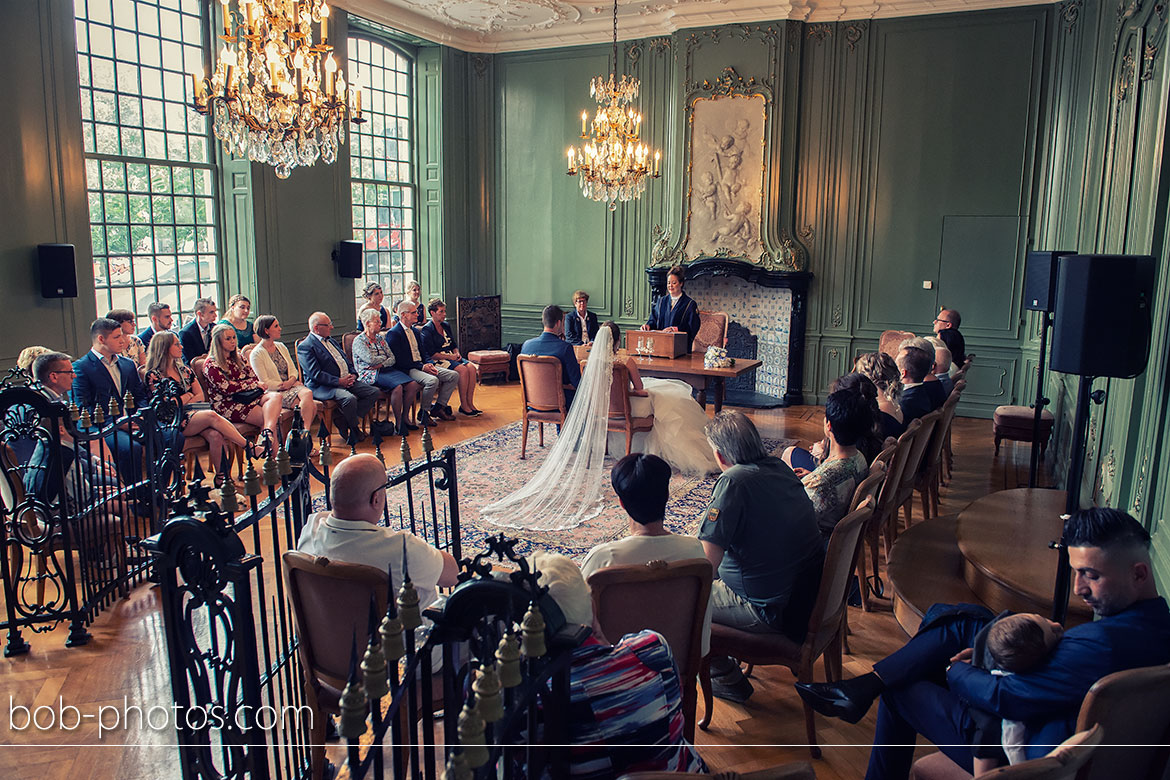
331 603
825 621
541 382
886 456
870 486
619 392
928 422
934 448
888 496
712 331
347 344
246 350
1063 763
197 366
629 598
890 340
1133 710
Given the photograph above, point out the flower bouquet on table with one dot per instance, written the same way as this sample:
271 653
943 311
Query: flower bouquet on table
716 357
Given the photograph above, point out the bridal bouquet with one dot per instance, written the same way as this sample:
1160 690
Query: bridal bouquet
716 357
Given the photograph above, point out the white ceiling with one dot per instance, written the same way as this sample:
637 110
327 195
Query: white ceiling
516 25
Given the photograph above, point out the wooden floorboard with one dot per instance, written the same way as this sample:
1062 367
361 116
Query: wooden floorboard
126 660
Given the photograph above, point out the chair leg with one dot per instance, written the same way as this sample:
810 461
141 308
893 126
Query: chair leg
860 569
708 697
629 440
924 494
523 438
540 426
845 633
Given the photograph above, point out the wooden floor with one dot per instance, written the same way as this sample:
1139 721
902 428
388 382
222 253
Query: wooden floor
125 663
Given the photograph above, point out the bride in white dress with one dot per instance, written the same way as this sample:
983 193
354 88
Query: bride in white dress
567 490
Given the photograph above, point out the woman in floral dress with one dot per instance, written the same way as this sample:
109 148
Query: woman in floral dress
228 376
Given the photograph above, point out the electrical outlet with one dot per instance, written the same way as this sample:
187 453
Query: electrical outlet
927 284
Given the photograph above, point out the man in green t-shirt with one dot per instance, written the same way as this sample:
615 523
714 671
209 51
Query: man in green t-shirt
760 534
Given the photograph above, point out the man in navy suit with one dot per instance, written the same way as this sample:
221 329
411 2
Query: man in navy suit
195 336
551 343
1109 553
580 324
411 357
331 376
917 399
160 320
676 311
102 375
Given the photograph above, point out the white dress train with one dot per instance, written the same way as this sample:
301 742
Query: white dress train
677 436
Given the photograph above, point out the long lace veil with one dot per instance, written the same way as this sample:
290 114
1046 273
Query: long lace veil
567 490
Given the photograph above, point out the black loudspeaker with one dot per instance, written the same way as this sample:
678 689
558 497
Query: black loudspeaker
348 256
1040 280
1103 315
58 270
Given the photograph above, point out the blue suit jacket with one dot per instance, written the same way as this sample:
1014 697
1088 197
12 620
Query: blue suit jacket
319 367
915 402
573 332
1048 698
403 358
93 384
548 344
191 338
684 316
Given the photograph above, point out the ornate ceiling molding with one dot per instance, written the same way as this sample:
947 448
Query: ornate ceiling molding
493 26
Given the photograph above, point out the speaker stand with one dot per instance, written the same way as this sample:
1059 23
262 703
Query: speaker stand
1041 400
1076 469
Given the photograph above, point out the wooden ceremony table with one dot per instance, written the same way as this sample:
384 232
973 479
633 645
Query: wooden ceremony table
690 366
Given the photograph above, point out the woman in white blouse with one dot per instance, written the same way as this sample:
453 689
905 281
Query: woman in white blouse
277 371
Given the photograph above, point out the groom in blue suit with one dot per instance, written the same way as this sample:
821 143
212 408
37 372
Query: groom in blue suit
551 343
1109 553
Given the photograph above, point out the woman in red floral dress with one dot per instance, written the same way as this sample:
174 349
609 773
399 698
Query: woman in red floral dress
228 376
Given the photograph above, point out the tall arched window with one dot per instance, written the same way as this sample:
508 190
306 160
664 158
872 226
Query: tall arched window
381 167
148 159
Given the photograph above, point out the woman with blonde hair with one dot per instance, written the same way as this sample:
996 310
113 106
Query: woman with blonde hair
236 315
277 371
234 390
164 360
880 369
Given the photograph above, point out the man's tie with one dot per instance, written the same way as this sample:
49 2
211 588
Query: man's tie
206 329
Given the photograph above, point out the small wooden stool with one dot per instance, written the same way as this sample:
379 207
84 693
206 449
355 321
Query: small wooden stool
1015 424
490 361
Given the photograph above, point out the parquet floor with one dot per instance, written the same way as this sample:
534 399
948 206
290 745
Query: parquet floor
125 664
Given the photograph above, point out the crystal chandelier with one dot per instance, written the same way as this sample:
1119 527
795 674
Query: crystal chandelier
612 160
277 97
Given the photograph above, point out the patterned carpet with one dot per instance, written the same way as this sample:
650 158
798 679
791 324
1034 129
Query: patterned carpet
489 468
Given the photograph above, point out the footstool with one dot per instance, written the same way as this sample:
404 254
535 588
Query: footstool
1015 424
490 361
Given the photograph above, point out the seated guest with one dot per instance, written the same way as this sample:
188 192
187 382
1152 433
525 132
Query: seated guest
942 364
437 383
238 309
881 369
164 355
135 347
916 399
938 396
676 311
28 356
274 368
160 318
331 377
195 336
642 484
870 443
946 327
625 699
101 375
580 323
830 486
1109 553
374 361
234 389
439 345
760 534
551 343
372 293
414 296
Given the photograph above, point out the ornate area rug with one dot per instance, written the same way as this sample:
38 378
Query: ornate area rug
489 468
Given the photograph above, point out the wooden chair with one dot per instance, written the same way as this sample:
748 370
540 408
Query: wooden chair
869 488
948 451
927 479
628 598
890 340
886 511
620 416
542 395
1065 762
928 422
712 331
825 626
797 770
330 602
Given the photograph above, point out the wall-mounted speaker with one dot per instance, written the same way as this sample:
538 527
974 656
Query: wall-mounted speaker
1040 280
348 256
1103 315
58 270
